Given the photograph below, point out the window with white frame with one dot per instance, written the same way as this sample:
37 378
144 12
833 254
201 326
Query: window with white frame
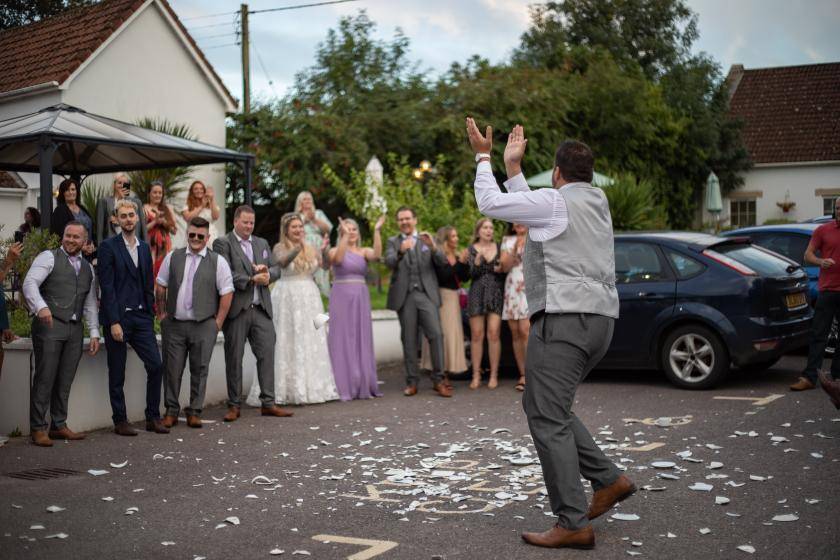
828 204
742 212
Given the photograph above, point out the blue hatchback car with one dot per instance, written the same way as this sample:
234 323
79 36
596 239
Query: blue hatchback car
692 304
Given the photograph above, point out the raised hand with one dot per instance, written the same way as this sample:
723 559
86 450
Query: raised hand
426 238
380 222
480 144
515 150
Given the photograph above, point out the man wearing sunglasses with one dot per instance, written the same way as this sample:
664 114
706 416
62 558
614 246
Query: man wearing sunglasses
126 279
193 294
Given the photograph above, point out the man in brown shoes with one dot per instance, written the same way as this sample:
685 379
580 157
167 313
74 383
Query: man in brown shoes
59 290
570 285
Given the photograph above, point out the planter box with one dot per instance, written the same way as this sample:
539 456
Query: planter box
89 406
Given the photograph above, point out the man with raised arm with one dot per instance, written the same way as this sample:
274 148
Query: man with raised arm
569 270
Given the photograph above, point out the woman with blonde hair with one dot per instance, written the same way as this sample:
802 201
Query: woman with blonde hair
201 202
450 276
515 310
303 372
315 226
485 302
351 330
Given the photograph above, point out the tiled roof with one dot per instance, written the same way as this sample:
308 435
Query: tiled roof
52 49
8 182
791 114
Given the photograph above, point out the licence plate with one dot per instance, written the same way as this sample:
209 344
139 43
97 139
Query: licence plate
796 300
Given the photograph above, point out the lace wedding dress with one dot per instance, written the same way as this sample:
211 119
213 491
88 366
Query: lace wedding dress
302 369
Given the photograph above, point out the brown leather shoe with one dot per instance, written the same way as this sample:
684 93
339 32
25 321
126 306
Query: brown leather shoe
124 429
66 433
40 437
193 421
410 390
558 537
830 386
232 414
169 421
275 411
605 498
804 384
442 390
156 426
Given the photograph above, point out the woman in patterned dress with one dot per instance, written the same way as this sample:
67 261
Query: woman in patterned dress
486 300
160 224
315 226
515 310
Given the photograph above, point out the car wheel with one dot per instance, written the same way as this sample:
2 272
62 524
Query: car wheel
831 345
693 357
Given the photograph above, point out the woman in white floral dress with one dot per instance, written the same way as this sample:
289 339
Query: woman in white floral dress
515 310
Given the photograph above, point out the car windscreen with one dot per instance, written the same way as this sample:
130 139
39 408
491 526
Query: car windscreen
755 258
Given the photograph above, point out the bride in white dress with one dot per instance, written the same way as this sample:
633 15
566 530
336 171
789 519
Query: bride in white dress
303 372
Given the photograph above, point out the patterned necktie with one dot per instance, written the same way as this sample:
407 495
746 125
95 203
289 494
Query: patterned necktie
188 282
75 260
249 251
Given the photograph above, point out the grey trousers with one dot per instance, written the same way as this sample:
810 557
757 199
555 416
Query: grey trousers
562 349
419 311
181 339
254 325
57 353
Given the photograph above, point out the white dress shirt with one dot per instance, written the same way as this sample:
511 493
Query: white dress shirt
224 280
132 250
542 210
42 267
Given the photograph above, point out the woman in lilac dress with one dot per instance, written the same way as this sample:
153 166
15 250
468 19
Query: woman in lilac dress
350 329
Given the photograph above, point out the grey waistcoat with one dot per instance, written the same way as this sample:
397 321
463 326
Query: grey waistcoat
64 292
575 271
205 295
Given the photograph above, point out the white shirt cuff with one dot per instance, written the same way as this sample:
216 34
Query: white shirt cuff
517 183
484 166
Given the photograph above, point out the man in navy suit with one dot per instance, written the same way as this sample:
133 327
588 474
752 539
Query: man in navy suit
126 314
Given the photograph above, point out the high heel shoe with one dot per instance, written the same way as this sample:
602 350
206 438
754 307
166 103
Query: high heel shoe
476 381
494 381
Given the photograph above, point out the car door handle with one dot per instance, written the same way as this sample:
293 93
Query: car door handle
651 295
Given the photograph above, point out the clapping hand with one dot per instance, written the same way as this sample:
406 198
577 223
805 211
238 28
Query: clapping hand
464 256
480 144
13 254
325 243
407 244
427 239
515 149
260 268
379 223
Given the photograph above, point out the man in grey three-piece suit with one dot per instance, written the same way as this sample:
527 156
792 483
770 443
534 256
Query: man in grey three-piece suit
569 267
106 220
414 295
59 291
250 316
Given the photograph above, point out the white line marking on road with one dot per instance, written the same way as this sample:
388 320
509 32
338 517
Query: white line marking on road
375 547
648 447
757 401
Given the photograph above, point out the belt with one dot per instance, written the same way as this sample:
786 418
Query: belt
350 281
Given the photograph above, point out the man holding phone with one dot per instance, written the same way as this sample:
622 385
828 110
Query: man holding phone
107 224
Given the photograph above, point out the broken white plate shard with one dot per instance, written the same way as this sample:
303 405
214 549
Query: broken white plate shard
504 495
746 548
757 478
57 536
97 472
701 487
222 525
714 465
379 429
650 488
671 536
55 509
713 446
37 528
119 465
721 500
668 476
501 431
636 543
705 531
786 517
168 543
734 484
252 496
633 553
663 464
811 501
108 499
733 514
684 454
220 479
693 460
625 516
779 439
302 552
276 552
263 480
817 455
132 510
232 520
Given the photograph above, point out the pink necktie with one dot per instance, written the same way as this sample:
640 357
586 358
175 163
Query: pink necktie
249 251
188 283
77 265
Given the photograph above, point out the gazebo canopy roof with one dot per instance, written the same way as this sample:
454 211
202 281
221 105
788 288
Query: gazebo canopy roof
544 179
86 144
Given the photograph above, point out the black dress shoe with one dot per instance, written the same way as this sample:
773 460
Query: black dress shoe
156 426
124 429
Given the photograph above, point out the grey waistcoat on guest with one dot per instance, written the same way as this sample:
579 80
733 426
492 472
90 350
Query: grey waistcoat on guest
205 295
575 271
64 292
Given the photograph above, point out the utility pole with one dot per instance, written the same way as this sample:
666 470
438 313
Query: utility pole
246 64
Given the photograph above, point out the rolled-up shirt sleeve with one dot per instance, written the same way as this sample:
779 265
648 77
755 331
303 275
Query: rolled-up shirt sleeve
38 272
542 210
163 273
224 277
91 309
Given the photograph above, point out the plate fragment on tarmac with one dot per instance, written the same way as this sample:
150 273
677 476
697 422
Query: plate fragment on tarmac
663 464
786 517
57 536
625 516
119 465
746 548
705 531
276 552
714 465
721 500
232 520
701 486
55 509
97 472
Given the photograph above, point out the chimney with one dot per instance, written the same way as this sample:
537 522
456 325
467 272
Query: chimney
736 72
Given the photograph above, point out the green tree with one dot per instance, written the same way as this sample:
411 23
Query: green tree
631 205
14 13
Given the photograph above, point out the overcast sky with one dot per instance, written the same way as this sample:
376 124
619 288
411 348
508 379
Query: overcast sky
755 33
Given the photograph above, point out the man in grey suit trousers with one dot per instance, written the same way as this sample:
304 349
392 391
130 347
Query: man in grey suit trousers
414 295
59 291
569 267
193 294
106 220
250 315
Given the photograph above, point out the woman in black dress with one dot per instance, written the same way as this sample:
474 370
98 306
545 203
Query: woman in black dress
486 300
68 208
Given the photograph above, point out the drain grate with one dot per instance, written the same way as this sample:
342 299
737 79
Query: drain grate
42 474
